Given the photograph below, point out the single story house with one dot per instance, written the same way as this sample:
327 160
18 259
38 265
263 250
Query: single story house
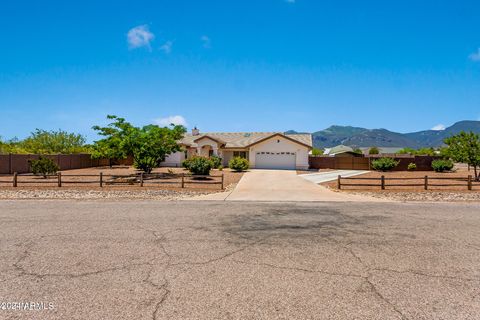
264 150
383 150
341 151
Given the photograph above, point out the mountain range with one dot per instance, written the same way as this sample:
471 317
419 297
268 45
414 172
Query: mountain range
361 137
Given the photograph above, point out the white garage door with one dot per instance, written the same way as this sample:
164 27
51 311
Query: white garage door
275 160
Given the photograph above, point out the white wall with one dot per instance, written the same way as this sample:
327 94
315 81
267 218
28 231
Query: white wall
174 159
280 144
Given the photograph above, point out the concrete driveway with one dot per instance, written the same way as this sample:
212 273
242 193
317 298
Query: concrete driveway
280 185
127 260
321 177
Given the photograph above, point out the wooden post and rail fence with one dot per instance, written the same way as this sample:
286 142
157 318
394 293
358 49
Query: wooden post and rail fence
140 180
425 182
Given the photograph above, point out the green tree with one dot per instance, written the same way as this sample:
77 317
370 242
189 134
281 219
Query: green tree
407 151
358 151
373 150
53 142
148 145
111 147
317 152
465 148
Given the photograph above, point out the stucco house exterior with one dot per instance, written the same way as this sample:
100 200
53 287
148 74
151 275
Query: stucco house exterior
264 150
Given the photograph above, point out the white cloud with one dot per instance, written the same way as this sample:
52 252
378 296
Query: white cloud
475 56
167 47
439 127
177 120
140 36
207 43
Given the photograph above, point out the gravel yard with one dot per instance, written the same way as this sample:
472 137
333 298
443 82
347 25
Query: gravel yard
75 188
409 193
169 184
409 177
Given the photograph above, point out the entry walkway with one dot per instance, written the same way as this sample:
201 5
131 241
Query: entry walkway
321 177
280 185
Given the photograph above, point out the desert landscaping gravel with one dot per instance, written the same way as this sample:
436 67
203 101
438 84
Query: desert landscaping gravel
424 196
168 195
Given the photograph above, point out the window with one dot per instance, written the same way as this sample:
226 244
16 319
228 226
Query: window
210 152
241 154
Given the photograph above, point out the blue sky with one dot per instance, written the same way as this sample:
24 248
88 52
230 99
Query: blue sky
264 65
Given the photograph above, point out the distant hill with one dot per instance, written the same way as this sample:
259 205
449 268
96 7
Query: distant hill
361 137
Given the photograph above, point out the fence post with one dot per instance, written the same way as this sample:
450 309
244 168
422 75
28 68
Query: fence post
222 180
59 179
101 179
141 179
10 163
383 182
470 183
426 183
183 180
339 182
15 179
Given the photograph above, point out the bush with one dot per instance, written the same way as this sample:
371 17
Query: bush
146 164
198 165
238 164
43 166
373 150
384 164
412 166
217 161
442 165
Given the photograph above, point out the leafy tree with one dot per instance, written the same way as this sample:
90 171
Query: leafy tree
465 148
384 164
112 146
407 151
317 152
238 164
358 151
53 142
43 166
425 152
373 150
148 145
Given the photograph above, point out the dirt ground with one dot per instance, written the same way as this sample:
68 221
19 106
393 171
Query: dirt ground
92 182
411 177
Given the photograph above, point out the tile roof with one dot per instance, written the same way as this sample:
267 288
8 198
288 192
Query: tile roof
243 139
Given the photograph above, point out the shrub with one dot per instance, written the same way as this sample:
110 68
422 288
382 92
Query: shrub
216 160
373 150
238 164
317 152
146 163
384 164
43 166
198 165
442 165
412 166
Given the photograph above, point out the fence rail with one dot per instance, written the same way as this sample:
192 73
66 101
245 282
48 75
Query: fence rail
426 182
103 180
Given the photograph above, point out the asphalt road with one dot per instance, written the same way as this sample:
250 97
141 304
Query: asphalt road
204 260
